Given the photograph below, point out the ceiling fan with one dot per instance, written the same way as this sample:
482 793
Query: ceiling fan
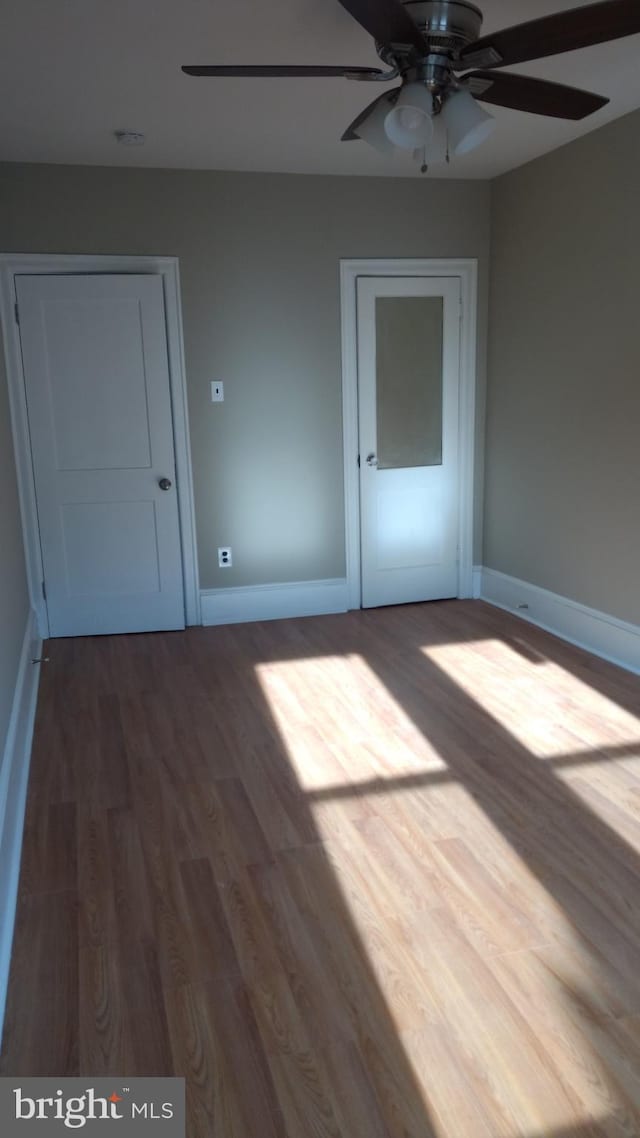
434 47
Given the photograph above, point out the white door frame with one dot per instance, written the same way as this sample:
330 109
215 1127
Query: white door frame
17 264
467 271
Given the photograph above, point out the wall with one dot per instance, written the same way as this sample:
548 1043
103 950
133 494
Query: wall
259 259
14 601
562 505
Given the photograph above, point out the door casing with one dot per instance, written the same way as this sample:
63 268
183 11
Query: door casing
15 264
467 271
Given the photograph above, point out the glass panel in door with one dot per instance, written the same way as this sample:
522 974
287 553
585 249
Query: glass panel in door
409 331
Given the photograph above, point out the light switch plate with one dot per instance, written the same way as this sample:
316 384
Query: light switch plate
217 391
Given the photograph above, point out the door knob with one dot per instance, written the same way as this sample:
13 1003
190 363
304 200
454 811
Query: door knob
372 460
164 483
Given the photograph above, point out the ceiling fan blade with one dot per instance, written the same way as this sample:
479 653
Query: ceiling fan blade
294 72
534 95
350 134
387 21
551 35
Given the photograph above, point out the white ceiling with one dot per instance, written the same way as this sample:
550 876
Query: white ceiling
73 71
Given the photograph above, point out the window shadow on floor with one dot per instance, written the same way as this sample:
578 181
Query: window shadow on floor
183 911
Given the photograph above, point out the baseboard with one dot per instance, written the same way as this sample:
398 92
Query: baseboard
14 776
598 632
604 635
273 602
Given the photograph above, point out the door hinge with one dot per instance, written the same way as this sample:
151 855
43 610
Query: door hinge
358 461
16 311
44 590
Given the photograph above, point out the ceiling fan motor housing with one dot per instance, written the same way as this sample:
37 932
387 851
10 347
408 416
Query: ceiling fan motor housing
447 24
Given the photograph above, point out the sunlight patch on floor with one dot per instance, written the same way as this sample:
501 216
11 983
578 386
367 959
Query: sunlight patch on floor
465 942
347 743
443 980
551 712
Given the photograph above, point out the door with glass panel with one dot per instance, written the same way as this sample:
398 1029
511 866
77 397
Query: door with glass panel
408 388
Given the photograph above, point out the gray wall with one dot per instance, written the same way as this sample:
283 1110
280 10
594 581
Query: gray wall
14 601
259 259
562 506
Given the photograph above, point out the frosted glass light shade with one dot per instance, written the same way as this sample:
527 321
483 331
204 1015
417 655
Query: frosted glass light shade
409 124
468 124
372 130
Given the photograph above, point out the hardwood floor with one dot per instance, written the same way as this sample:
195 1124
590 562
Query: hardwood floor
364 876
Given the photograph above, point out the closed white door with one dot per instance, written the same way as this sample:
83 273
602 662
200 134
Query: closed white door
408 393
96 371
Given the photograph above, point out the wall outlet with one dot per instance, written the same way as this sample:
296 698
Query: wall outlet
217 391
225 560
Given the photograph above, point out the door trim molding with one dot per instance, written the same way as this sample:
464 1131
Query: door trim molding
467 271
35 264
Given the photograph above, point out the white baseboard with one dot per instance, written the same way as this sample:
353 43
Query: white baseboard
14 776
273 602
604 635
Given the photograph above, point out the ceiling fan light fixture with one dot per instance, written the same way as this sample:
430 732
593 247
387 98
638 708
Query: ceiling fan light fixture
409 124
468 124
430 44
372 129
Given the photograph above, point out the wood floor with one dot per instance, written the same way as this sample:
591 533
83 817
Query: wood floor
364 876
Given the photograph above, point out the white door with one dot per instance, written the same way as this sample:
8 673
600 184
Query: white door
94 352
408 392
